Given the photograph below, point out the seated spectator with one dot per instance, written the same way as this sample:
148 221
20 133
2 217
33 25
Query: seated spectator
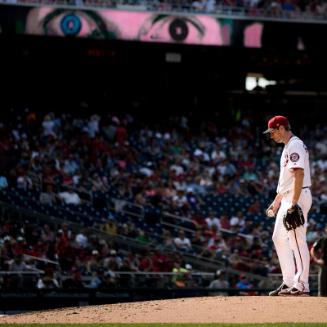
199 239
244 284
193 199
234 259
211 233
24 182
160 262
70 197
217 246
224 222
288 7
168 243
128 229
16 265
182 242
143 236
98 183
47 235
49 125
109 280
254 208
181 275
180 199
95 281
74 281
49 197
210 5
81 239
65 232
126 279
247 228
3 182
93 262
212 220
110 227
47 282
113 261
221 282
71 165
21 246
199 5
312 233
198 221
146 263
237 221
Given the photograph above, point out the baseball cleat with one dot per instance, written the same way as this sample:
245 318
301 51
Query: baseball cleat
292 291
277 290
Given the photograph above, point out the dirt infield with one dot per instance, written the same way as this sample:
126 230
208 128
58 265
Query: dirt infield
253 309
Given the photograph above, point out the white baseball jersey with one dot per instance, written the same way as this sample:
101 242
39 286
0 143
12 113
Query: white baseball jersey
295 155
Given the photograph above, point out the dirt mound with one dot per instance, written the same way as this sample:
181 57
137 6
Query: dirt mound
253 309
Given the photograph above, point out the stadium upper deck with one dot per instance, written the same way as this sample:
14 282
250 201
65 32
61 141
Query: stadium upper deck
289 10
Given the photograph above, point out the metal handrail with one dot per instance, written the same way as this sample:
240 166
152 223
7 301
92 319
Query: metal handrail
41 259
123 210
22 272
178 227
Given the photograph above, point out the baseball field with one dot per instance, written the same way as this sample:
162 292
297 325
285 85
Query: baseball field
171 325
203 311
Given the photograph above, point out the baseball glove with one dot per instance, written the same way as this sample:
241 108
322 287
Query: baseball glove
293 218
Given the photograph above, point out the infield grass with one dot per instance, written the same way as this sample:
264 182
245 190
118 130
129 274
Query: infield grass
172 325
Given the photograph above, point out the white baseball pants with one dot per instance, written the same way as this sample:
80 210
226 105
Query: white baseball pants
291 246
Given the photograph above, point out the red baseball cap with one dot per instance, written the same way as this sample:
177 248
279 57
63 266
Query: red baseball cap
275 122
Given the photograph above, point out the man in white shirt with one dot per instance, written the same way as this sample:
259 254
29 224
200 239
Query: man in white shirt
212 220
48 125
81 239
293 189
182 242
237 221
70 197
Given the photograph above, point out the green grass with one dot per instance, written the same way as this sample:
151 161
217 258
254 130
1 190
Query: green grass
172 325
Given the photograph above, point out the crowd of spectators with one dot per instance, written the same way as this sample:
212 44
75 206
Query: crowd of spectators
213 178
48 257
287 9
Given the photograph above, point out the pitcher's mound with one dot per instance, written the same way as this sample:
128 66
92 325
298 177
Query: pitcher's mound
252 309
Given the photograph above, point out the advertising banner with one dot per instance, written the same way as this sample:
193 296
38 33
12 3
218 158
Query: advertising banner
149 26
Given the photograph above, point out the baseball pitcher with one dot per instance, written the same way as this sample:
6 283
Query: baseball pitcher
290 207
